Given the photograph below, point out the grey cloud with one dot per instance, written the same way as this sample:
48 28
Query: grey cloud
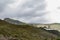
32 3
3 4
40 20
30 15
40 6
26 11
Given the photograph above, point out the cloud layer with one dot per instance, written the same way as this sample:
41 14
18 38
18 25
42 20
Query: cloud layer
31 11
53 8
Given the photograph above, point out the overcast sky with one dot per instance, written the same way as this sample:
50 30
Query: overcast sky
31 11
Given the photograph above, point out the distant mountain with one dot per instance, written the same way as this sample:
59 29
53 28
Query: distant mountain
12 21
52 26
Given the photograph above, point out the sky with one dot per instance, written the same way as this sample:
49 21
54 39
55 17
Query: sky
31 11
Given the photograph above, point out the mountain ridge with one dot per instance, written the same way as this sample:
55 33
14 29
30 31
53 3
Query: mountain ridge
12 21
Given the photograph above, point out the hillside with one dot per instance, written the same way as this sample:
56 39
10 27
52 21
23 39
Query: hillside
10 31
